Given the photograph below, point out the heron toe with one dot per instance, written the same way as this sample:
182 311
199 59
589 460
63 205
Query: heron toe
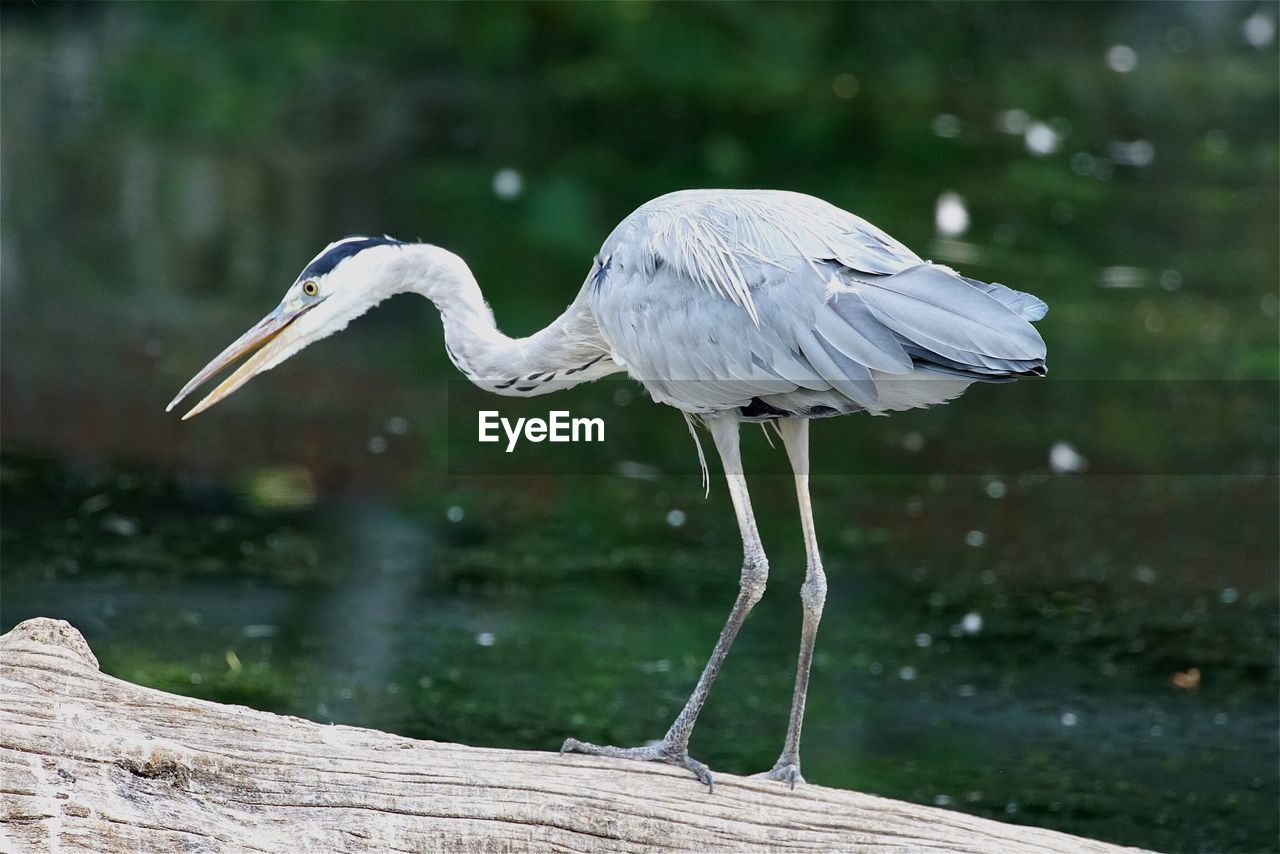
660 752
783 772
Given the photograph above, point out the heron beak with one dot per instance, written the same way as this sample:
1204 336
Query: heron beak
264 338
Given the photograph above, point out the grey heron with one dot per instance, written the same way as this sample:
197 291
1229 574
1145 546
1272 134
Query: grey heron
729 305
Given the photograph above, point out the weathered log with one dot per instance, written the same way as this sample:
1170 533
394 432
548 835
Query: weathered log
88 762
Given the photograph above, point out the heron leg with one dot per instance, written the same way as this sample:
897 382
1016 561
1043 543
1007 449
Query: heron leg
813 593
674 746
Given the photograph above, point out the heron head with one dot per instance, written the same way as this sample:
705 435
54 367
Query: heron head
344 281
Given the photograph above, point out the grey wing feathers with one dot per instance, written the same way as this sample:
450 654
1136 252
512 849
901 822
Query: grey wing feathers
849 325
970 327
779 302
727 241
1025 305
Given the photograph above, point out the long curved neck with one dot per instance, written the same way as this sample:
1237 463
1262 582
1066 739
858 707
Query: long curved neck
565 353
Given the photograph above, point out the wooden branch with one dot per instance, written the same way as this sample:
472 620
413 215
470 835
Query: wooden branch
88 762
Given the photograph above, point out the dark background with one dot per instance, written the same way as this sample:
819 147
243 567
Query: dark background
1052 603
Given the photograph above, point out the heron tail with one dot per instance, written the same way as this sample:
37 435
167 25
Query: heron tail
952 325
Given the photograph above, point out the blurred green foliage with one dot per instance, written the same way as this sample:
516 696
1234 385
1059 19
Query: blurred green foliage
394 117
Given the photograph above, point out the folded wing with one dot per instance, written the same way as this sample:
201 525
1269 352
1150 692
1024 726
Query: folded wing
779 303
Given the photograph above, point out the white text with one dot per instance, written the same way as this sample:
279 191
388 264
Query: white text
558 426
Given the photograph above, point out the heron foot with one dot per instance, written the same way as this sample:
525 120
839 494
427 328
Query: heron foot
663 751
783 772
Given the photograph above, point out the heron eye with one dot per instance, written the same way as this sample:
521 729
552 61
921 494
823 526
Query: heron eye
310 288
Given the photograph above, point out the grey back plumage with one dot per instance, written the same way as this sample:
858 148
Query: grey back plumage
776 303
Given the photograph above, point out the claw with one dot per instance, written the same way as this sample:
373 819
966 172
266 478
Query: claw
698 769
660 752
783 772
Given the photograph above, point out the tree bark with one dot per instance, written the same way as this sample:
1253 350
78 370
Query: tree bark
88 762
